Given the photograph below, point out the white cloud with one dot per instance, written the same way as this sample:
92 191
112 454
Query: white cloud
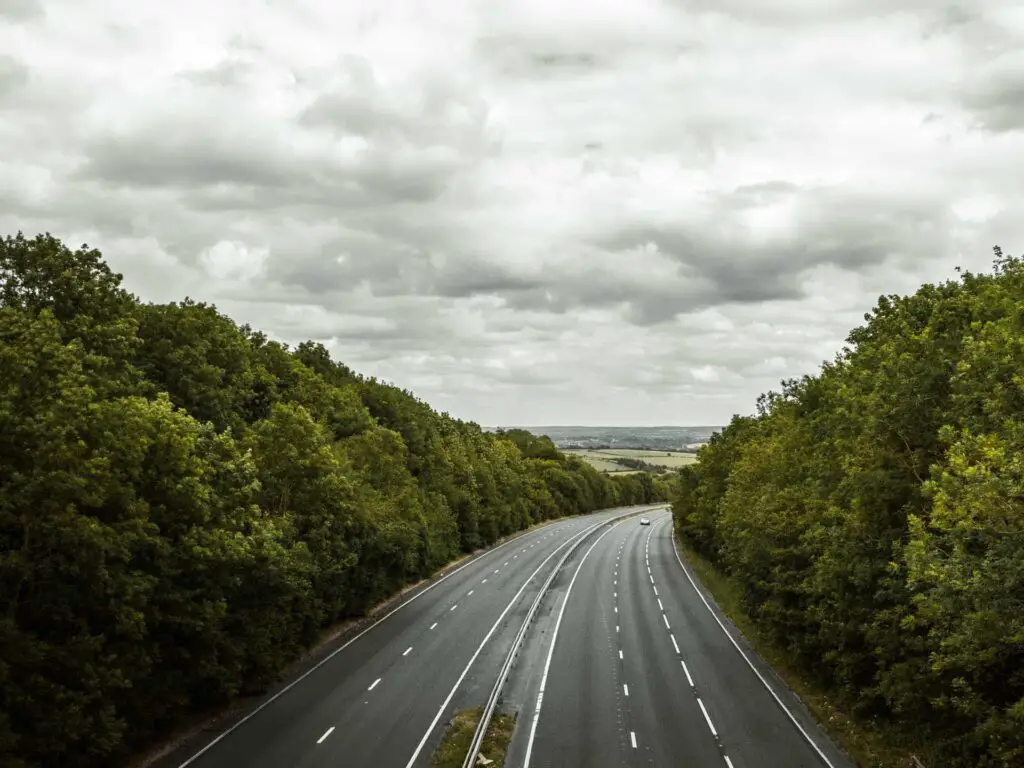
612 212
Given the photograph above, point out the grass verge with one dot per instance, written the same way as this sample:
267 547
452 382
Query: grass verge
459 733
869 745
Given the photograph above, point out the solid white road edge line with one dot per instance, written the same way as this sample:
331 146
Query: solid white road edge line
551 649
746 658
336 651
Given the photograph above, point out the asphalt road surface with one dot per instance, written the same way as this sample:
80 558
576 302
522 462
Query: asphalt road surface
383 700
641 673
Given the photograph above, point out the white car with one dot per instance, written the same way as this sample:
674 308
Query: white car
645 521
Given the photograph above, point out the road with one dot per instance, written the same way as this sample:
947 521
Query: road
640 673
383 699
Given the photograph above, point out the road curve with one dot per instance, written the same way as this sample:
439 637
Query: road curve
641 673
384 698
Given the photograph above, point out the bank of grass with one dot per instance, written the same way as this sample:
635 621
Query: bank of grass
457 737
869 746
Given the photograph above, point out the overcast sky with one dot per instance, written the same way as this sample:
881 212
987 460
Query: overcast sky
527 212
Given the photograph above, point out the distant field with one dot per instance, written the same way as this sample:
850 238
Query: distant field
601 459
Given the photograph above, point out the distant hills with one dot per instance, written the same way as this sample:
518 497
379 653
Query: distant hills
674 438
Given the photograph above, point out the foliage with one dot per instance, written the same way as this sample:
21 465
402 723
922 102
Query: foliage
873 515
185 504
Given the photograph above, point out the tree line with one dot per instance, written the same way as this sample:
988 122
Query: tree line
185 504
874 516
632 463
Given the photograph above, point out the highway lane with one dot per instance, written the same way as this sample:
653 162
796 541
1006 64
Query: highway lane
379 700
641 674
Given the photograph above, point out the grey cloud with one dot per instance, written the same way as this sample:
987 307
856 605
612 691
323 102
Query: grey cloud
188 155
13 76
519 57
415 178
440 114
996 97
644 302
387 268
851 231
556 55
796 12
231 163
482 277
254 170
229 73
566 60
21 10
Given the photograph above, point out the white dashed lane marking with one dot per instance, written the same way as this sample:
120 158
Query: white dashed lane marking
373 684
433 625
327 733
707 718
687 671
632 738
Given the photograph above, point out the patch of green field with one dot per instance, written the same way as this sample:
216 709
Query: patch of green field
602 459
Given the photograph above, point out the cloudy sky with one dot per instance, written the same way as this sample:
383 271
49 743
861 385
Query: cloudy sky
527 212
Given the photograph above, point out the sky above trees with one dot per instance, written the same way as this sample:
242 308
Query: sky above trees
605 213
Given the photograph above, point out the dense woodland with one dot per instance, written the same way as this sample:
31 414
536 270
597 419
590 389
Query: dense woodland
874 514
185 504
